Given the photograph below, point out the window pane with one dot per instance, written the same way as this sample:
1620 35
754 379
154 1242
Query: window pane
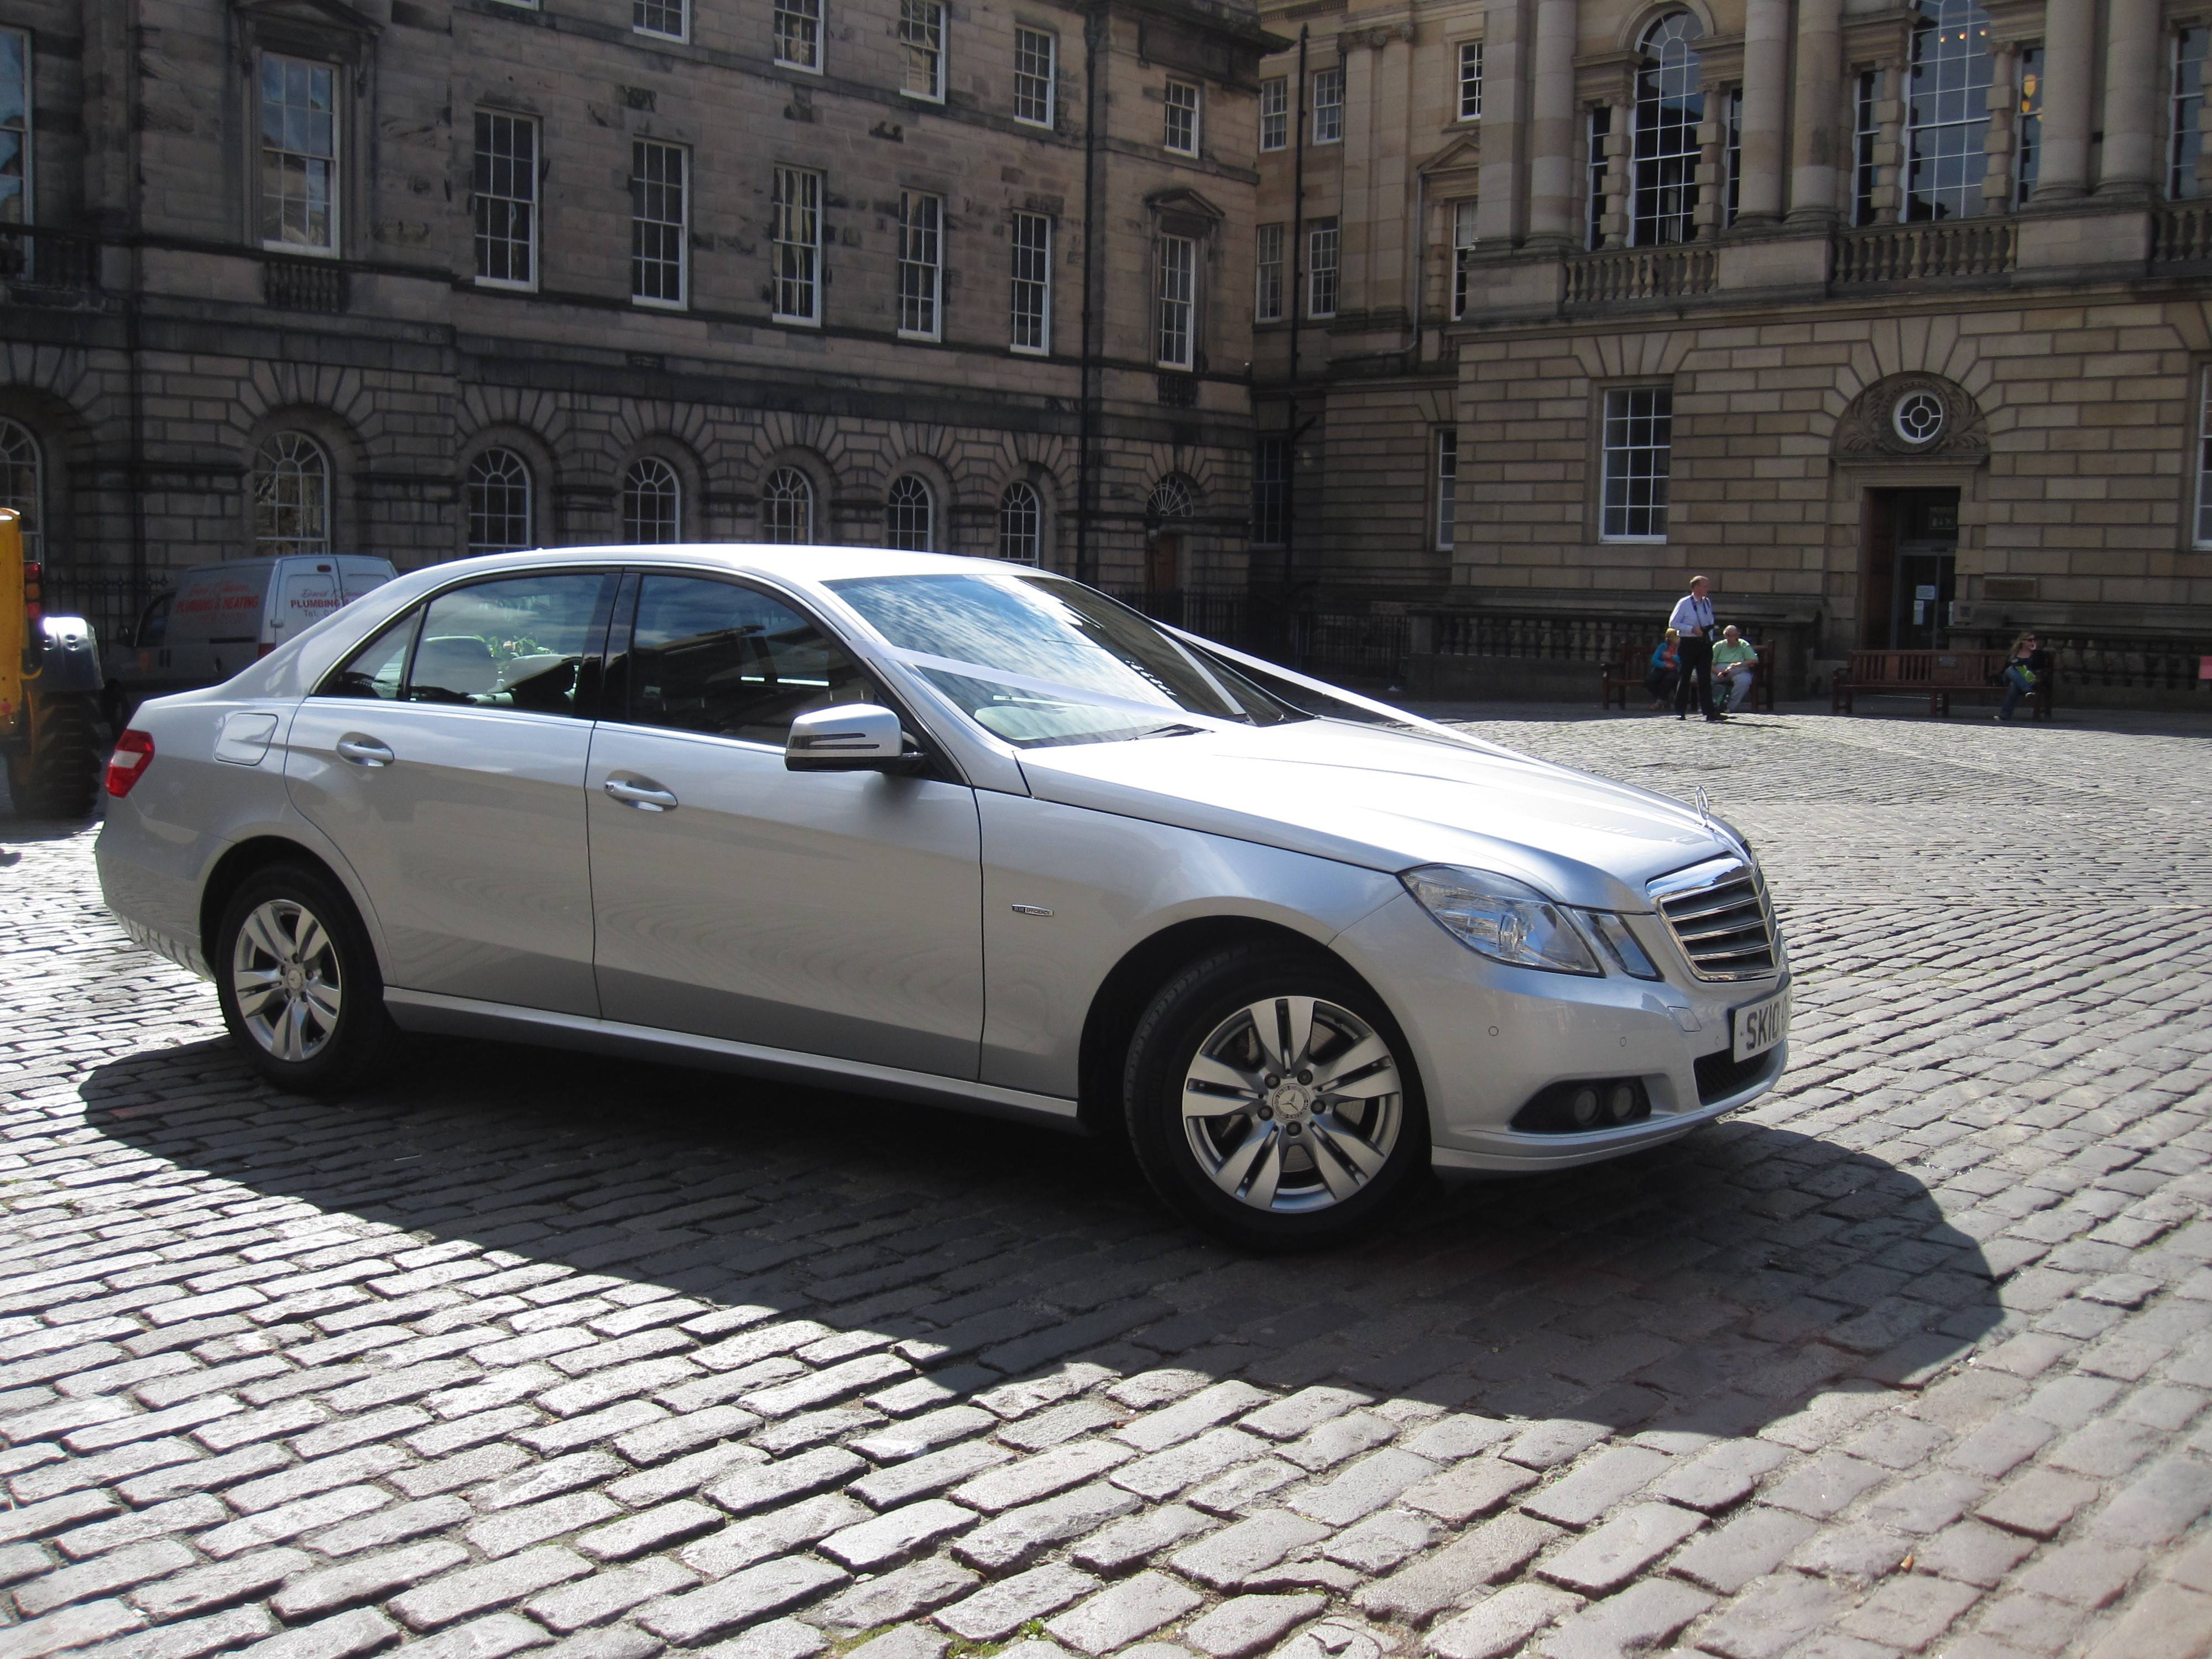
1470 79
513 644
299 154
1267 288
658 17
1638 440
1321 267
788 507
22 482
907 515
506 198
798 33
653 502
1948 112
2186 121
2205 462
708 656
377 669
1180 102
1274 114
797 243
291 496
921 255
1033 76
1030 241
922 41
1463 243
1021 524
1178 263
1447 488
656 228
14 129
1670 102
498 502
1327 105
1271 492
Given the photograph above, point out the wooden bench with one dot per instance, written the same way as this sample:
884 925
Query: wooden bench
1939 676
1624 671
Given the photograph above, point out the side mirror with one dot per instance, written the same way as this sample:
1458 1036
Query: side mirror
859 737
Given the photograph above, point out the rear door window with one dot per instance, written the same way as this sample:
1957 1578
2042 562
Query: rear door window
378 669
713 657
518 643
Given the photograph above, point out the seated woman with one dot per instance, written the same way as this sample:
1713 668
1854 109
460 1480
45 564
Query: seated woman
1666 667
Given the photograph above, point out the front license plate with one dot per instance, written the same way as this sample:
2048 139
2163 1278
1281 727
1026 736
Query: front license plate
1758 1026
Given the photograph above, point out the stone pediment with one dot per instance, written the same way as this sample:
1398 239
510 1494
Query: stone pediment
1465 150
1184 201
316 14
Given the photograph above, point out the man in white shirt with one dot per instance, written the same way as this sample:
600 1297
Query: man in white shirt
1694 620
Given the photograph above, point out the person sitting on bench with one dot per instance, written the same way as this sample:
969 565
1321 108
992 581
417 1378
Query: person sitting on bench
1733 661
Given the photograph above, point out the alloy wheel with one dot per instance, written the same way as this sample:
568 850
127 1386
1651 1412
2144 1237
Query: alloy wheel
1292 1104
284 973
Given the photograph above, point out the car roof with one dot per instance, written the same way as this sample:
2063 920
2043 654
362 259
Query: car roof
808 563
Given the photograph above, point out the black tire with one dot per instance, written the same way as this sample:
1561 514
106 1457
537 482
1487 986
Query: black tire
1381 1141
57 775
322 1030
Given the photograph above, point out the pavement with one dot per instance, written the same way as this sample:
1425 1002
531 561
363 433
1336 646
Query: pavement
526 1353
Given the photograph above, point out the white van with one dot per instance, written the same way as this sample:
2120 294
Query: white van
214 619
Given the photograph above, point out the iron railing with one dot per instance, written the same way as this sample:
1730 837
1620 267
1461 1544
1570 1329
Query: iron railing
1620 276
2139 662
1553 639
1334 645
47 267
1908 253
109 597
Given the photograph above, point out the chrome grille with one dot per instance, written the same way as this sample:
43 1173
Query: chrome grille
1719 914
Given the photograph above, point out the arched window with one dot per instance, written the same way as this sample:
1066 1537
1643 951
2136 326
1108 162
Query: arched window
1171 499
787 507
908 512
652 501
23 482
498 492
1948 112
1669 105
1021 525
292 497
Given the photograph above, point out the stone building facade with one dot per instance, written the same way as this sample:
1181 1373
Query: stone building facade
417 277
1892 319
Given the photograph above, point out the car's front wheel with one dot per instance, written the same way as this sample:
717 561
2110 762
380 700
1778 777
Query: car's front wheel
1271 1099
299 984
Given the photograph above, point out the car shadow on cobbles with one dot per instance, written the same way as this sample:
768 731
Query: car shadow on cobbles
1709 1284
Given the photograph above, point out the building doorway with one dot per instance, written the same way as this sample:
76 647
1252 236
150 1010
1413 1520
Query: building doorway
1162 562
1908 569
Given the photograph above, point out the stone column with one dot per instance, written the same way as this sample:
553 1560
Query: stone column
2129 169
2002 146
1500 188
1815 154
1766 65
1710 215
1618 148
2069 55
1551 129
1891 164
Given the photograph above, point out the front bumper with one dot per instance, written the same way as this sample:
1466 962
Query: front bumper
1487 1037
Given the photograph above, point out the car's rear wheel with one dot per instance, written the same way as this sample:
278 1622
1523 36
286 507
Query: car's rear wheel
301 993
1272 1099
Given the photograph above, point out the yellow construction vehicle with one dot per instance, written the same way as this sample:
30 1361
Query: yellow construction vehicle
49 693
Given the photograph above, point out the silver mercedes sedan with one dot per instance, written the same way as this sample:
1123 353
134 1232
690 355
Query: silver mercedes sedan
954 832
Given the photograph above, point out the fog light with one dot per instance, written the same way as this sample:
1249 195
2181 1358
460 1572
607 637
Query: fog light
1584 1106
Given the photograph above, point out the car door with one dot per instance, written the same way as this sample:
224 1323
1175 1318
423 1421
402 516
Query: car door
832 913
445 760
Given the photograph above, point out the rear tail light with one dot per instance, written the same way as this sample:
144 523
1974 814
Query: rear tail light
133 753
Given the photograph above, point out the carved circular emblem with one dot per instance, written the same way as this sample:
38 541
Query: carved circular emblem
1918 417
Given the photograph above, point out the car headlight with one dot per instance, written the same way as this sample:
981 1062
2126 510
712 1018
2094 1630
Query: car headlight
1500 918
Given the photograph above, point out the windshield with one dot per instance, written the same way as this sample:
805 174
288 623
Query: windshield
1036 660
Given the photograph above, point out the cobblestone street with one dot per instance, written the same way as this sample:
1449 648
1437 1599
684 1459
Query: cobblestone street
530 1354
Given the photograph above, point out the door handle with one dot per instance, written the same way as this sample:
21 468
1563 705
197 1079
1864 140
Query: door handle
644 796
365 751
